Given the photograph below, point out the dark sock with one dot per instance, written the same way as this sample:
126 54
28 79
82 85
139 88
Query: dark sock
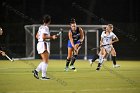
99 65
67 62
95 57
73 60
114 60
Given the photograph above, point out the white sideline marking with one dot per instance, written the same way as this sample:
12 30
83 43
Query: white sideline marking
14 73
75 91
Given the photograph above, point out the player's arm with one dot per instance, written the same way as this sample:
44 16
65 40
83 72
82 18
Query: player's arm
46 36
101 41
2 53
81 35
37 35
115 40
71 39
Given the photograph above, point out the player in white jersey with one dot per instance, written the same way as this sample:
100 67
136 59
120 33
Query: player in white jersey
43 47
107 39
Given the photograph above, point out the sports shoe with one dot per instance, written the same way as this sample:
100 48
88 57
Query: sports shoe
98 68
45 78
75 70
66 69
116 66
90 62
72 67
35 74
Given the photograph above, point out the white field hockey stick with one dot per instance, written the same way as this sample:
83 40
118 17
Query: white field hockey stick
60 32
4 54
9 58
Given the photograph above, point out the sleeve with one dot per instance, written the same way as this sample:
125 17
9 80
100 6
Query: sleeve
113 35
102 35
45 31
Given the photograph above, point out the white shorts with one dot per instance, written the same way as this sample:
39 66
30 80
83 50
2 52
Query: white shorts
108 48
42 46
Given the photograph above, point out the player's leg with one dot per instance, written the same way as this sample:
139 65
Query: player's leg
113 53
43 50
45 58
74 57
68 58
91 61
39 67
102 54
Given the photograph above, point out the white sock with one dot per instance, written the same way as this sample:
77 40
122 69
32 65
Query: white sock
101 59
39 67
44 69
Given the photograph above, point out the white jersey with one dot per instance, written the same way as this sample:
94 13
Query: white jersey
43 30
42 45
107 38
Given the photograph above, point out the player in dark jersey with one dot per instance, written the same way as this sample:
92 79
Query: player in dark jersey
76 37
1 52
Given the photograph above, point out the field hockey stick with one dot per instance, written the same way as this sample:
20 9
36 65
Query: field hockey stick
60 32
99 47
9 58
57 35
4 54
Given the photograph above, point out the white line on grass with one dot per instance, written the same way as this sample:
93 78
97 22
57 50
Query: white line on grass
75 91
14 73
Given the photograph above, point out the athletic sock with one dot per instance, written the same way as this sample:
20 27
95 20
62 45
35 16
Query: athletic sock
95 57
67 62
114 60
44 69
39 67
101 59
99 65
73 60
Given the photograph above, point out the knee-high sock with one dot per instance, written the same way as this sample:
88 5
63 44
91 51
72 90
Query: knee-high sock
101 59
39 67
114 60
73 59
44 69
67 62
99 65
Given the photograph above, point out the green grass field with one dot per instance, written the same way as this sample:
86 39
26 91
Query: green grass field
16 77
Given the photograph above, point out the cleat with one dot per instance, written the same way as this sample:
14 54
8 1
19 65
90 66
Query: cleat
116 66
72 67
45 78
75 70
66 69
35 74
98 68
90 62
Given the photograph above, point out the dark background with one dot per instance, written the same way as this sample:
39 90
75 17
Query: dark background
123 14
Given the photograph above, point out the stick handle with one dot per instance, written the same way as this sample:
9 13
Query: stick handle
9 57
60 32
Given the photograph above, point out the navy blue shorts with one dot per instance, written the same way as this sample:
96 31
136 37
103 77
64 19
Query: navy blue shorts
69 43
